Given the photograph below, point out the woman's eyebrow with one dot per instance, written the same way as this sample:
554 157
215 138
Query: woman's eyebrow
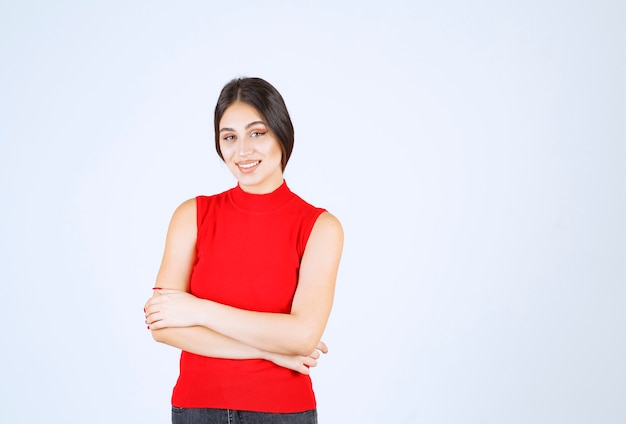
251 124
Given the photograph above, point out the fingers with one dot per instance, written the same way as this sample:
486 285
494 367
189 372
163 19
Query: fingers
151 313
321 346
150 308
154 301
304 370
151 319
154 320
151 302
157 325
309 362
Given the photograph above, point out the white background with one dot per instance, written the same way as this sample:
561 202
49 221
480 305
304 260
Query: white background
474 152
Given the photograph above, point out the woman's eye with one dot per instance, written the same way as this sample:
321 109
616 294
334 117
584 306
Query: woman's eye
257 133
229 138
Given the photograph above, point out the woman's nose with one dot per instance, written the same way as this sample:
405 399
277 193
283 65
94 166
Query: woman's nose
245 146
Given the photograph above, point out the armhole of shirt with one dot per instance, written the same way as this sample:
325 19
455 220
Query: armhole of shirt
202 203
307 227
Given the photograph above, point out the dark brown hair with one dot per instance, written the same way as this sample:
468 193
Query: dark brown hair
261 95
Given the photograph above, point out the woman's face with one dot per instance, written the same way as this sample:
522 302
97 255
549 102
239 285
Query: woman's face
250 150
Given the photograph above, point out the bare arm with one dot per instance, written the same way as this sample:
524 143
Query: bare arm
297 333
205 342
174 274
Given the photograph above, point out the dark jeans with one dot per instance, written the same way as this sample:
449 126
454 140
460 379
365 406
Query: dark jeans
228 416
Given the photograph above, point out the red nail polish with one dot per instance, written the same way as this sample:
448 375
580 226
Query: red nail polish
148 327
156 288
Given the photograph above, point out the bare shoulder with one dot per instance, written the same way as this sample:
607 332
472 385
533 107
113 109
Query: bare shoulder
328 220
185 213
183 223
188 207
328 228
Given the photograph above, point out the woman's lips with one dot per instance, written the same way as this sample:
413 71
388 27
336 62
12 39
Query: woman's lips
248 166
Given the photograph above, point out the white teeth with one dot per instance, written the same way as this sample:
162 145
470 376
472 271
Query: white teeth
249 165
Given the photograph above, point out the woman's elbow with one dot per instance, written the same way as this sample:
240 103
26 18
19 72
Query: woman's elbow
304 345
159 335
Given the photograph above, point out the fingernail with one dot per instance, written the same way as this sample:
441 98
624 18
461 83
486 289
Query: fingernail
156 288
148 327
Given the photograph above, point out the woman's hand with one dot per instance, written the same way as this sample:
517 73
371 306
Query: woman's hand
172 308
301 364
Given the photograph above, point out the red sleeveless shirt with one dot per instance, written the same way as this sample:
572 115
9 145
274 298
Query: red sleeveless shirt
249 250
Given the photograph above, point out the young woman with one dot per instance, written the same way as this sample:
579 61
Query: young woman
247 279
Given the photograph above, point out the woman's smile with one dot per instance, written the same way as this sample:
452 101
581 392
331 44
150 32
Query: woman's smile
248 166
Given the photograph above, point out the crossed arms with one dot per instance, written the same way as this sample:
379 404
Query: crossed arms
207 328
